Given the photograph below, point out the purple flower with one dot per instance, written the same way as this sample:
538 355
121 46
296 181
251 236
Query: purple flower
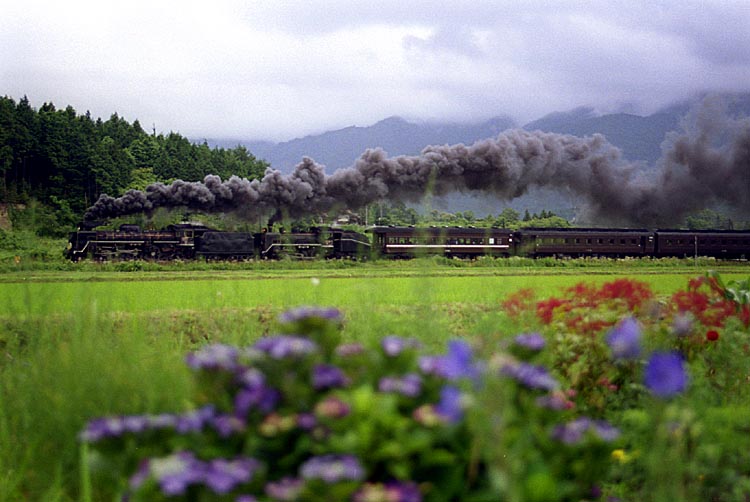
403 492
572 433
176 472
194 421
223 475
531 341
665 374
625 339
226 425
264 399
534 377
606 431
332 468
431 365
305 313
306 421
459 362
394 345
409 385
326 376
450 406
286 346
113 427
251 378
103 428
285 489
140 475
254 393
214 357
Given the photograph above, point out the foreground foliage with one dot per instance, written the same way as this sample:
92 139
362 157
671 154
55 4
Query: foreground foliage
615 395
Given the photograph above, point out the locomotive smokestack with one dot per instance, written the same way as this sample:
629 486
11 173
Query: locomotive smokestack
275 218
708 163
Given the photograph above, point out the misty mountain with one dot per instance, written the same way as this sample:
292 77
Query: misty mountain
340 148
639 137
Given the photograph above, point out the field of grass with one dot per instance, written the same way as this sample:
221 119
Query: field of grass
91 342
452 301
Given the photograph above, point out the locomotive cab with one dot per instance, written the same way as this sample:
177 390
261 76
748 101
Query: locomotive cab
78 244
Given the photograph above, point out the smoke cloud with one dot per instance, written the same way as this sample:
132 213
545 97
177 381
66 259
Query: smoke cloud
709 162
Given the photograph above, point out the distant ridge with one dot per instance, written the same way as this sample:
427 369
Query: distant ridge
340 148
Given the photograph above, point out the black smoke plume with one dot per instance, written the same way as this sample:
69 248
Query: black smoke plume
709 162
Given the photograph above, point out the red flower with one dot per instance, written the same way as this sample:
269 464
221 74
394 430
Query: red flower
712 335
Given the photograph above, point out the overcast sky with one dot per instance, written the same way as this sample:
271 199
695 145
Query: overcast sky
276 69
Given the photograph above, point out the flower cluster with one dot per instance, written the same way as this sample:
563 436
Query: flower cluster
176 473
711 302
301 416
597 335
586 308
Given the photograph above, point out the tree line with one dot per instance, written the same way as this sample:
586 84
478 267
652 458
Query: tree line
56 162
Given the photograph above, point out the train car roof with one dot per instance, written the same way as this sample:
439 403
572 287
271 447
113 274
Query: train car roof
405 229
702 231
581 229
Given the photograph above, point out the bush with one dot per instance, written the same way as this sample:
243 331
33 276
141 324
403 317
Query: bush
302 416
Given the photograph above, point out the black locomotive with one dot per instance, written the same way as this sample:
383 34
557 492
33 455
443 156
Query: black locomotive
189 241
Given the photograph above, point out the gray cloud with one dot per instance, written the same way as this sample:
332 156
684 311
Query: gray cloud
273 69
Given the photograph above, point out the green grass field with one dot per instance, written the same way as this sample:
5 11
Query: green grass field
76 345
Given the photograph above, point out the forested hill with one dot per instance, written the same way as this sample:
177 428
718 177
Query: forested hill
65 160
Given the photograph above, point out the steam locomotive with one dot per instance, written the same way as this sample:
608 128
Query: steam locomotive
190 241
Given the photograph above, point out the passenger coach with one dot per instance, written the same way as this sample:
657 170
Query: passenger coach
718 243
407 242
575 242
